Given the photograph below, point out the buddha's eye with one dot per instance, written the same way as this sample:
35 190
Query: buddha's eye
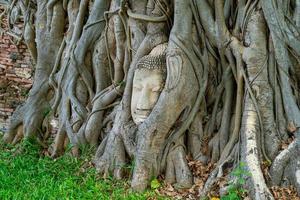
138 88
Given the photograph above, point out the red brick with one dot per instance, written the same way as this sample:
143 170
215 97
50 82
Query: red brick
3 45
6 109
28 85
11 96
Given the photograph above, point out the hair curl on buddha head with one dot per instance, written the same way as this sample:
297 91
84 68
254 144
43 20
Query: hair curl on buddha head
155 60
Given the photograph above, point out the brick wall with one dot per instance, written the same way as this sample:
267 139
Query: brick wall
15 73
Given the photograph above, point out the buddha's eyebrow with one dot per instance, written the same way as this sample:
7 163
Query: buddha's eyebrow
138 79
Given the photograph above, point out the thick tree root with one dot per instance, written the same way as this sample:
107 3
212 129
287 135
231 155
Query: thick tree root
250 155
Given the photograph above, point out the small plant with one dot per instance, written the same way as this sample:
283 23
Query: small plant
47 111
121 83
155 184
24 92
236 190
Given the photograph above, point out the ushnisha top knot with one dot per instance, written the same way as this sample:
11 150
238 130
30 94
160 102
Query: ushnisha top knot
155 60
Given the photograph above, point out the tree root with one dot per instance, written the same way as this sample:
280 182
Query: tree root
177 170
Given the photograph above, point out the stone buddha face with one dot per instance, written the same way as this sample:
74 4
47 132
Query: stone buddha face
148 82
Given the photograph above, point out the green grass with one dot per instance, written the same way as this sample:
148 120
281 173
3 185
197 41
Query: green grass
25 174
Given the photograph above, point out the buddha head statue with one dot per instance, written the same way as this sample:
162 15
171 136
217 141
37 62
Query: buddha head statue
148 82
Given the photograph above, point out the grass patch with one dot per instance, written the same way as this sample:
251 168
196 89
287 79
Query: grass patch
26 174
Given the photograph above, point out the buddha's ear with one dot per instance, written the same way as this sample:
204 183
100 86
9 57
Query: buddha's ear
174 67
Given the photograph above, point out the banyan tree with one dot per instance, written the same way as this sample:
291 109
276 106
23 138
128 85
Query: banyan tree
149 82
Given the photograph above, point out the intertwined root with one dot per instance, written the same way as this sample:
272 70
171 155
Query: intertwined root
177 169
111 158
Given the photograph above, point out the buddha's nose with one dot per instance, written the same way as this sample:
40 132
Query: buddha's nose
144 102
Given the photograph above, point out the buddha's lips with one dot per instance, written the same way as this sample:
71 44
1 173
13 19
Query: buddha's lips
140 118
142 114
